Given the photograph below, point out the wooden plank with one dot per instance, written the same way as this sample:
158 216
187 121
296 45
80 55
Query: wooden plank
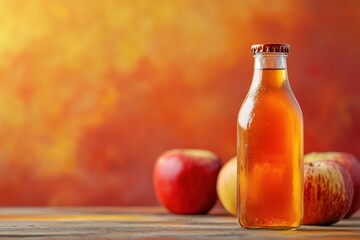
148 222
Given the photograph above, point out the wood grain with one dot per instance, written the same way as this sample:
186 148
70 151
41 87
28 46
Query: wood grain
148 223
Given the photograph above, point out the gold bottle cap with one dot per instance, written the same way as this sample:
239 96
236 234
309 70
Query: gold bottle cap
271 47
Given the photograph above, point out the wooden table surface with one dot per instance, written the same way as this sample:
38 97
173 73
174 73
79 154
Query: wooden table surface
148 223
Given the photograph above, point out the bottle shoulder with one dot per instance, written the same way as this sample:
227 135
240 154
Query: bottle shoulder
269 105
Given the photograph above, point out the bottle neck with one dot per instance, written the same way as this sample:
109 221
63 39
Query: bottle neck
270 61
270 70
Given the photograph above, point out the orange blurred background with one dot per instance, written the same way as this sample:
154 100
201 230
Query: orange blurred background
91 92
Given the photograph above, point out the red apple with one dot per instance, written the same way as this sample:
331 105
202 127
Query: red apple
185 180
351 163
328 192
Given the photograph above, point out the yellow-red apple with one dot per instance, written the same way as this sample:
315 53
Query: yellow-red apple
226 186
328 192
185 180
351 163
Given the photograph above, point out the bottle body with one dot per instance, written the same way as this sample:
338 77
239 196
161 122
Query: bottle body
270 151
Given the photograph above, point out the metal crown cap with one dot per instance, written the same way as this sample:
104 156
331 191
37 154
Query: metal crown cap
271 47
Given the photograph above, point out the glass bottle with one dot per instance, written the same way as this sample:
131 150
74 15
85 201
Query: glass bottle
270 146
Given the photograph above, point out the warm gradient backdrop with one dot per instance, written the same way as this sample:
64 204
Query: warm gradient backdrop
91 92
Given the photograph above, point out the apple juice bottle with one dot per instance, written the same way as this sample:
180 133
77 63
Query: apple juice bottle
270 146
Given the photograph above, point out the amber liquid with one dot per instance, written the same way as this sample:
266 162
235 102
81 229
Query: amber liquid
270 154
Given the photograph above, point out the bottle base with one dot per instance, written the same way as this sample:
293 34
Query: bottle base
267 228
272 224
